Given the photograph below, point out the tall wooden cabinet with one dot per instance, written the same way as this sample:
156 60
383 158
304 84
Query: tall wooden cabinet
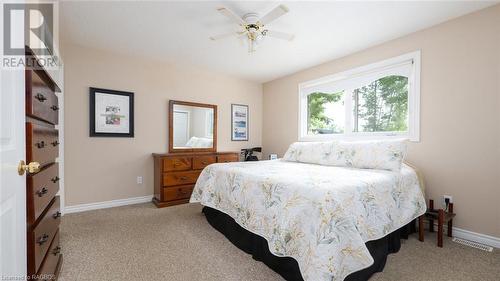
44 256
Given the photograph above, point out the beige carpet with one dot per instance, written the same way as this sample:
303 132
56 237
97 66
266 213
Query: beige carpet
141 242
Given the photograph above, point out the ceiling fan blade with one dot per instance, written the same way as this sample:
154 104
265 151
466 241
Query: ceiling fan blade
274 14
231 15
225 35
280 35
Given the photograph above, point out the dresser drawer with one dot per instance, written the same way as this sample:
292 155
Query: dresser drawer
176 164
200 162
42 187
180 178
42 143
41 101
40 237
177 192
228 158
50 266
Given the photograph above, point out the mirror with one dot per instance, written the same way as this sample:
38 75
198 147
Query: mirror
192 127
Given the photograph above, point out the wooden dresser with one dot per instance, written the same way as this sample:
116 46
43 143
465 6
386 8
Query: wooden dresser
44 258
176 173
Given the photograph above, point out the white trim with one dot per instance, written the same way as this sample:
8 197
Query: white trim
107 204
413 100
477 237
473 236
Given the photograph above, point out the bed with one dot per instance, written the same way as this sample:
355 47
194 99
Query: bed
308 221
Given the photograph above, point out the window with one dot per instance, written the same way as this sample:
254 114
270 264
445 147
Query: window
380 100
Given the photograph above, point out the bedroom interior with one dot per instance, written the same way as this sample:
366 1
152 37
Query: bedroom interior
127 128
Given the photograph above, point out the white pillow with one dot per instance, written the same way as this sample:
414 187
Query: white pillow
376 154
311 152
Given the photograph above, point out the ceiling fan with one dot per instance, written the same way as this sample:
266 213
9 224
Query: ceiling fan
254 28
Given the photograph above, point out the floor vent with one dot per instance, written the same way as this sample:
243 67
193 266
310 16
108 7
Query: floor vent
473 244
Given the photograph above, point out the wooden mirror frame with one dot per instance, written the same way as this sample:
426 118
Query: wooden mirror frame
171 148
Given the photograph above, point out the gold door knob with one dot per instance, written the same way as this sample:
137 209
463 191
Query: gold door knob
32 167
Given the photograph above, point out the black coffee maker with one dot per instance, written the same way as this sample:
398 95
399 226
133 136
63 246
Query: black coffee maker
248 153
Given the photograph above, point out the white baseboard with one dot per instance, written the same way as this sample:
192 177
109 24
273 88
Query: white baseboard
477 237
107 204
472 236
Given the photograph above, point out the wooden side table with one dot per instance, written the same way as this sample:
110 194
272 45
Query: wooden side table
441 216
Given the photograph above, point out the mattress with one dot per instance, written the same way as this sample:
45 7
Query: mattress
321 216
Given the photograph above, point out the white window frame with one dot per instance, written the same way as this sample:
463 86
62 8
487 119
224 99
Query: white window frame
413 133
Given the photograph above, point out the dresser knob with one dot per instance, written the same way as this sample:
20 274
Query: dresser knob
55 179
183 178
40 97
42 191
177 164
54 107
204 162
42 239
55 143
56 251
40 144
57 215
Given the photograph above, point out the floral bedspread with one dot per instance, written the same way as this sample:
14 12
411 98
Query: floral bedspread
319 215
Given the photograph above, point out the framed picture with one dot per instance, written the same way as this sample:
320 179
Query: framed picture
239 122
111 113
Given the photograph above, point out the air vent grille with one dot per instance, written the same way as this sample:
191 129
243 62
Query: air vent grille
473 244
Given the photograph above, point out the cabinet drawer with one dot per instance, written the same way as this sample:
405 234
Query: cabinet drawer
180 178
176 164
228 158
42 143
50 266
200 162
40 237
42 187
178 192
41 101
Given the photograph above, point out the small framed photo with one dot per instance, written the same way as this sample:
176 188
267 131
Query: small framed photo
111 113
239 122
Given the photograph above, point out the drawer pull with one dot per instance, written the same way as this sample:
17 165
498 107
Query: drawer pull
42 191
182 192
55 143
40 97
44 238
56 215
40 144
54 107
55 179
177 164
204 162
56 251
183 178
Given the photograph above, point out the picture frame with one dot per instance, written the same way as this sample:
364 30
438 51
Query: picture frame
111 113
239 122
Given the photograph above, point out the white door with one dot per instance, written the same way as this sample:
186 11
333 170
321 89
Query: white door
181 128
12 185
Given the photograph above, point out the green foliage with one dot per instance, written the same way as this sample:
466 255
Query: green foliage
318 121
380 106
383 105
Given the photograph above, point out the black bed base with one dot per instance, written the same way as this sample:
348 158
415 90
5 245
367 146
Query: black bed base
288 267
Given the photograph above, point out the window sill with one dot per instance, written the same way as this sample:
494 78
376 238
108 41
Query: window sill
359 137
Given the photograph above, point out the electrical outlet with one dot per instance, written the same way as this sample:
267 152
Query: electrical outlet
447 197
139 180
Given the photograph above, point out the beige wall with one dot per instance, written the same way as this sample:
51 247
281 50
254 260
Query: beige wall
459 151
101 169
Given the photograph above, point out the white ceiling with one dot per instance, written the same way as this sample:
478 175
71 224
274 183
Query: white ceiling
177 32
